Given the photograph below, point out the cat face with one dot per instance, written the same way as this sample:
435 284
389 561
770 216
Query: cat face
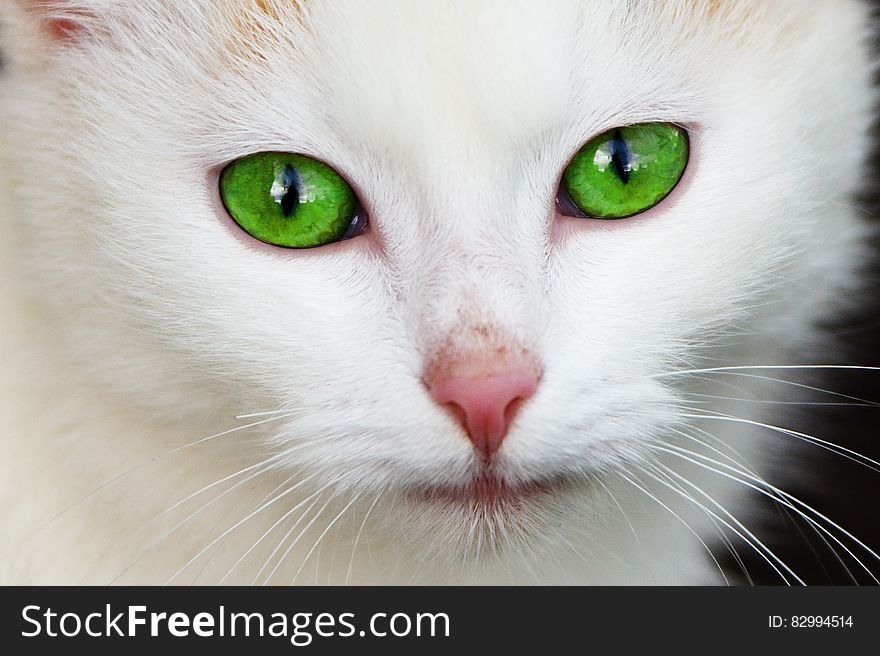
453 124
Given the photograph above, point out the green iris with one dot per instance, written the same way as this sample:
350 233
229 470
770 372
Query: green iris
626 170
288 200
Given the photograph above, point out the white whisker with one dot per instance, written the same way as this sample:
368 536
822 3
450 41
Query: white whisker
263 536
792 383
781 367
314 497
818 529
849 454
299 536
263 463
780 496
654 498
739 529
236 525
358 536
130 471
228 432
323 533
252 415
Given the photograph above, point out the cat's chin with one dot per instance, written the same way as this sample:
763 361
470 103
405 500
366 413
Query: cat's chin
488 516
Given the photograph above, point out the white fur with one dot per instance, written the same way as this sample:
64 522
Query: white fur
140 321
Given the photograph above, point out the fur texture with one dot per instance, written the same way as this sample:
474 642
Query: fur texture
140 321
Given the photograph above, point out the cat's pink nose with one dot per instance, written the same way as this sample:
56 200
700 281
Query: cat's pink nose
486 401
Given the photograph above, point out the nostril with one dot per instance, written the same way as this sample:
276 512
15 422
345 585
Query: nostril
457 411
485 406
513 408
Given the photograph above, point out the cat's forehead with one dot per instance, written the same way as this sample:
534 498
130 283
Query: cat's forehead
442 62
484 68
451 64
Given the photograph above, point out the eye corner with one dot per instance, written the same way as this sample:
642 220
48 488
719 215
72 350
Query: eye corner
565 205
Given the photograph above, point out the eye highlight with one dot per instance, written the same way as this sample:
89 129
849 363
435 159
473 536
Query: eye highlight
624 171
290 200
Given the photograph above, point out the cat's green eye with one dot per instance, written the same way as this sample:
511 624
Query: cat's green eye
624 171
290 200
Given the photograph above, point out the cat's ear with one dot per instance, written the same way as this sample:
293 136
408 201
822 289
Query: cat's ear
31 28
60 19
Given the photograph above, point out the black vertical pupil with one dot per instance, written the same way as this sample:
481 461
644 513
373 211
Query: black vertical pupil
620 157
290 198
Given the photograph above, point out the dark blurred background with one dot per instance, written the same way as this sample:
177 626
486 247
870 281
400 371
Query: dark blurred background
843 490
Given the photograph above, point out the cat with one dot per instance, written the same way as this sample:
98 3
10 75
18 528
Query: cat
568 244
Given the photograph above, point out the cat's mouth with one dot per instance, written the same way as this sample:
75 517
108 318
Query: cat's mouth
489 494
488 515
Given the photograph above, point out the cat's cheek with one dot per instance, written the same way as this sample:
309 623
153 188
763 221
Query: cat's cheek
566 227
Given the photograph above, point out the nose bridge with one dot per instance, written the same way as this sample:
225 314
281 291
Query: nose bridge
465 177
474 293
471 282
477 316
469 264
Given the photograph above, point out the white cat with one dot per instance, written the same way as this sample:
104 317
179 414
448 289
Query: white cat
465 380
